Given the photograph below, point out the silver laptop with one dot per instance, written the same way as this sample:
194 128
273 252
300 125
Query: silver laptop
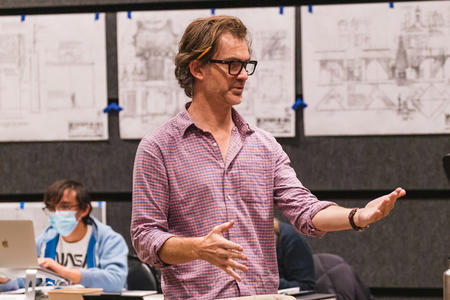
18 250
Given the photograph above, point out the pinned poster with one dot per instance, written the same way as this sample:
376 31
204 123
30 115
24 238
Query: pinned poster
53 78
376 69
149 92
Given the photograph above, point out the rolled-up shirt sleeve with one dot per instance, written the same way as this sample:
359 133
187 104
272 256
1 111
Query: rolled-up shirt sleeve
296 202
149 226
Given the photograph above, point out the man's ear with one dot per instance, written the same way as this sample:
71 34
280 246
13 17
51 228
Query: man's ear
86 211
196 69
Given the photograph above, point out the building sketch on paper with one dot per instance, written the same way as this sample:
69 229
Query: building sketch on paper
385 71
271 90
52 78
150 94
148 90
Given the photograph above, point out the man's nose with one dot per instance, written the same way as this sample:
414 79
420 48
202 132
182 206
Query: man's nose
243 75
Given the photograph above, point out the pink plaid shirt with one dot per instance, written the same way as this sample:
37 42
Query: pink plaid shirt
183 187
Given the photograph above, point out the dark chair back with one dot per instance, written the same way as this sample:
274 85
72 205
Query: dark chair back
335 275
141 276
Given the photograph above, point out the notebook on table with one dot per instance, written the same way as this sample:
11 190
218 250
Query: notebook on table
18 251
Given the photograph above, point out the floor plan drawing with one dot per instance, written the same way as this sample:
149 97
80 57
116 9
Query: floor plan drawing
53 78
369 69
150 94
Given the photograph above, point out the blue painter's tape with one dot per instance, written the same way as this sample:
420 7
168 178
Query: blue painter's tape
310 9
299 103
213 11
129 14
22 205
281 10
97 15
100 203
22 18
112 106
391 4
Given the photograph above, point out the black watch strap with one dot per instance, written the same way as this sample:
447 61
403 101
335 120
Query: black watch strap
351 215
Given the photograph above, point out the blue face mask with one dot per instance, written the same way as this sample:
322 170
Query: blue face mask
64 221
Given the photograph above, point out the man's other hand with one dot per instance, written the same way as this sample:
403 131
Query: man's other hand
219 251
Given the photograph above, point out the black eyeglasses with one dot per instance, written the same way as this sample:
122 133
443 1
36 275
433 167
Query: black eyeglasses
235 66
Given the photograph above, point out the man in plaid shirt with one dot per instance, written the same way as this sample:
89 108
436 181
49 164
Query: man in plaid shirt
205 182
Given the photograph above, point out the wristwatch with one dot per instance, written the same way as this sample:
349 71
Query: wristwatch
351 215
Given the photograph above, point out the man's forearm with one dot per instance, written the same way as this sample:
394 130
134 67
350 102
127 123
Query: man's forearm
73 275
333 218
179 250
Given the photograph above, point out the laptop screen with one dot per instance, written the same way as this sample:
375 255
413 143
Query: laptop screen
17 244
18 250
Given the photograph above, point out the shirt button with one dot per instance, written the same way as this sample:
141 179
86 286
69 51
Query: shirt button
228 197
214 144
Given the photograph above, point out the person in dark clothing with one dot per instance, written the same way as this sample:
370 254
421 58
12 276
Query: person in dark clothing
321 272
295 259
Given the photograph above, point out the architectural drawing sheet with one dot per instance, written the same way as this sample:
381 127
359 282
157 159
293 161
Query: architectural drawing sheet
150 94
270 91
369 69
53 78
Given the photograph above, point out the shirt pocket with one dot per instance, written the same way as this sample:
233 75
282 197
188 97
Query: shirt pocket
256 179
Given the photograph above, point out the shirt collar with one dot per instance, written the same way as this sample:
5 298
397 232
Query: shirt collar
185 122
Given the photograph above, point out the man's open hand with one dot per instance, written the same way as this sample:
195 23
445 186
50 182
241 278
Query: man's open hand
378 208
219 251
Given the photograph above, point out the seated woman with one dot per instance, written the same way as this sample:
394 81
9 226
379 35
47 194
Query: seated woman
77 246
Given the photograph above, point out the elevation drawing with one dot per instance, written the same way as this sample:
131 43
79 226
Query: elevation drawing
53 78
150 94
369 69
